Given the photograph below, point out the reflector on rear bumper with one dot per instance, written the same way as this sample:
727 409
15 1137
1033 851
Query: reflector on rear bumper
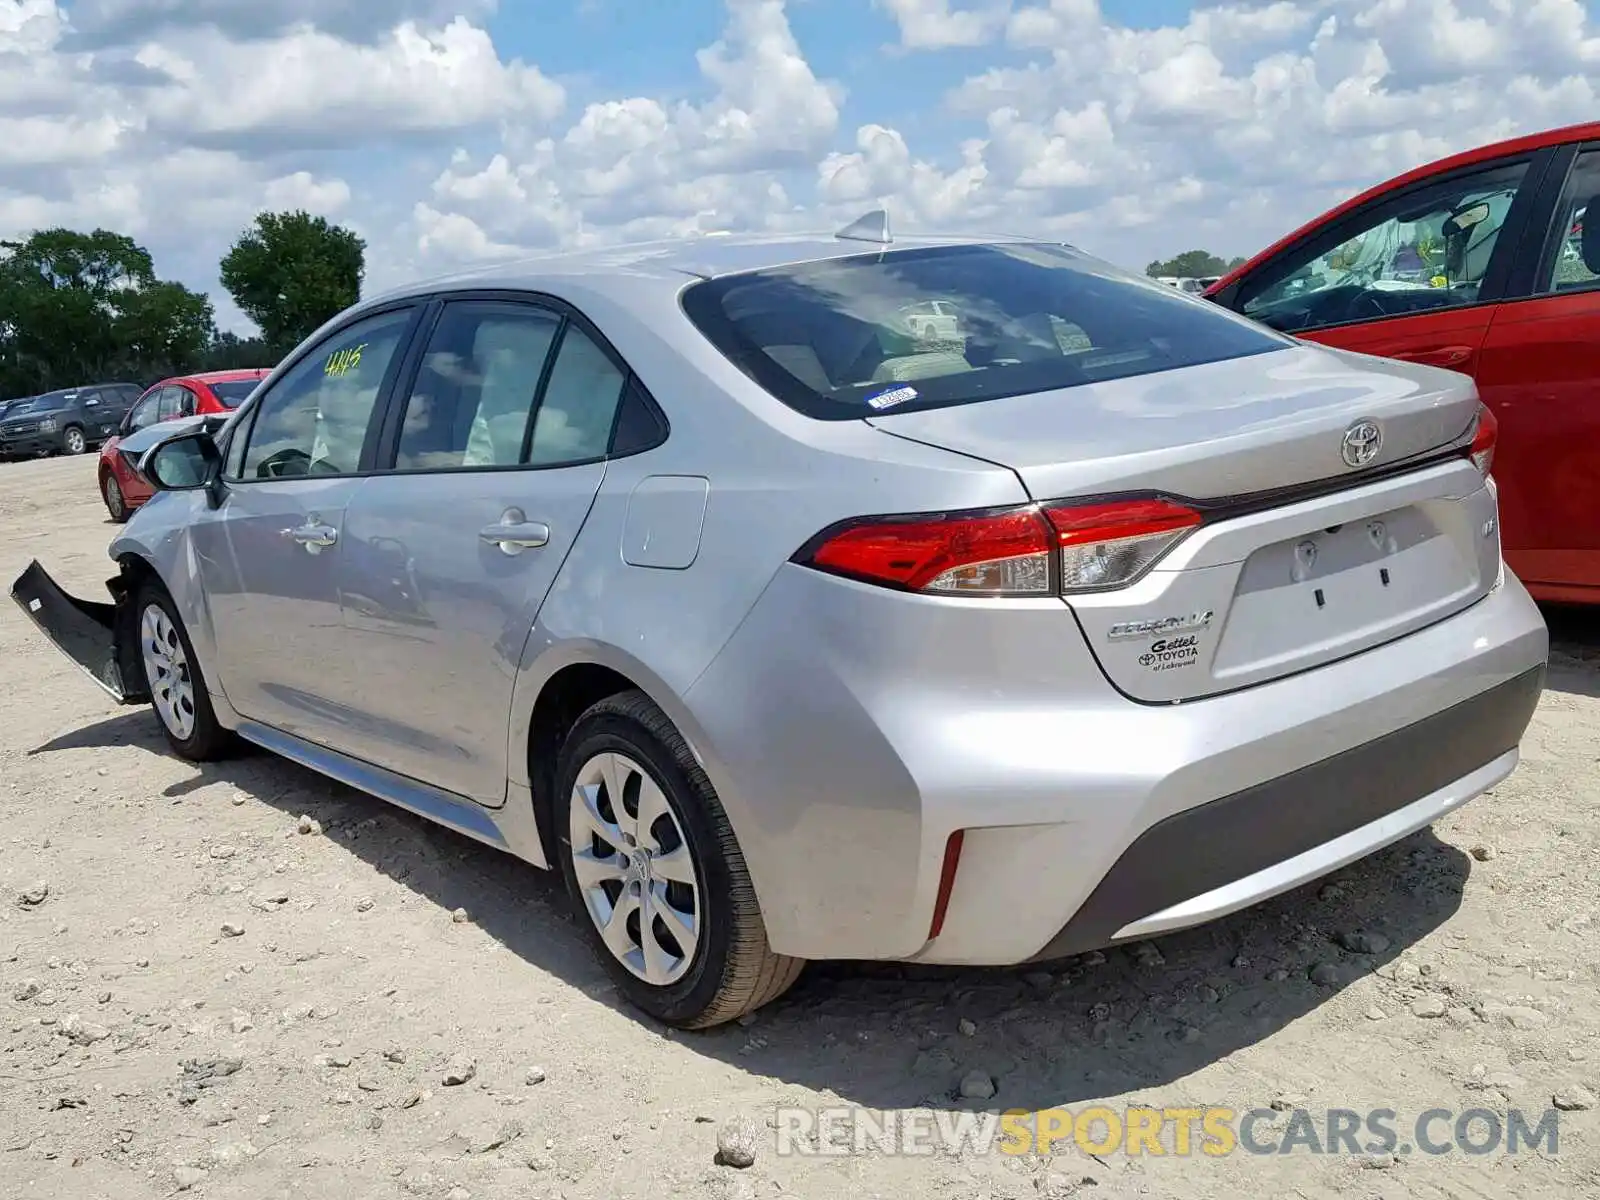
83 630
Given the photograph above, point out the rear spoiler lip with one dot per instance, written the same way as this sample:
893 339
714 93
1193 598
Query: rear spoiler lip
91 635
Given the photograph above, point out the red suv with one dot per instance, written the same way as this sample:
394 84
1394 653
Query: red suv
1482 263
121 486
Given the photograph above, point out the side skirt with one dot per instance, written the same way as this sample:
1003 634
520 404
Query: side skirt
443 808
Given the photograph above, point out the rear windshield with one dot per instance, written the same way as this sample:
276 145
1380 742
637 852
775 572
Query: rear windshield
233 394
926 328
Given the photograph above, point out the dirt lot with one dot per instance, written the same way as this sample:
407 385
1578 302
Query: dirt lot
1458 970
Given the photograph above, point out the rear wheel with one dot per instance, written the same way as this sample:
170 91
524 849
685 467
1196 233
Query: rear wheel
177 688
655 873
111 493
73 441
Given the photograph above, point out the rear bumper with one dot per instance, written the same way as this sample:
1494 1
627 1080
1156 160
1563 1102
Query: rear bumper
92 635
1226 854
850 732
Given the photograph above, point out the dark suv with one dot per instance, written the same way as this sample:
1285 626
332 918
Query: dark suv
67 421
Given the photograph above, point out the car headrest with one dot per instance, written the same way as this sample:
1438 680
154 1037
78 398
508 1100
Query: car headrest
1589 243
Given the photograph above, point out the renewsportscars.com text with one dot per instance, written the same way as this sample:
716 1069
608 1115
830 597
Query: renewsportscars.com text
1212 1131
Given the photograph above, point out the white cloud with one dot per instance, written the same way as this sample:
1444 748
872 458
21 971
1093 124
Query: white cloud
935 25
638 167
109 21
311 87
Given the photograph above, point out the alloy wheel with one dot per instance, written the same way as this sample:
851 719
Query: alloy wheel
114 502
635 872
74 441
166 668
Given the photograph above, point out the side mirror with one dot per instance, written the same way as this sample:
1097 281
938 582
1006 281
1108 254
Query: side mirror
186 462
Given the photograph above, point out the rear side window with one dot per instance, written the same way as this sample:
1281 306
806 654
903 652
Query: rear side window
927 328
233 392
475 391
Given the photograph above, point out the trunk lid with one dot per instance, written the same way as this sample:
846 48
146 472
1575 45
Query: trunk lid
1302 559
1239 427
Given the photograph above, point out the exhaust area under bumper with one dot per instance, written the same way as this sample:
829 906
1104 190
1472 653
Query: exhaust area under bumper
92 635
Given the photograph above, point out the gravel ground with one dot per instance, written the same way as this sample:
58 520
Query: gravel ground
201 991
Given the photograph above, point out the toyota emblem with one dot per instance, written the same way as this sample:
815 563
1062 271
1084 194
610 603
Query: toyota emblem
1361 444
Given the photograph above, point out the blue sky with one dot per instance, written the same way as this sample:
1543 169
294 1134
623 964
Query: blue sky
448 132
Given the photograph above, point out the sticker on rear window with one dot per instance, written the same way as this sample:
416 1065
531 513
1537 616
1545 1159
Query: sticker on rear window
892 397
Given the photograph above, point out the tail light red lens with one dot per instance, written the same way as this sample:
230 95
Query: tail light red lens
992 553
1025 551
1484 437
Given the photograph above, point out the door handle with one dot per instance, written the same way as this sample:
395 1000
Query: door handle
1439 356
514 533
314 535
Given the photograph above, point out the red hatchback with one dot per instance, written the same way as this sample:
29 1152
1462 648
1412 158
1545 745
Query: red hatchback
121 486
1482 263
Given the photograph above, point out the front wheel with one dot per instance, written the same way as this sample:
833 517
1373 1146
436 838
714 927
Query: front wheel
73 441
111 493
177 688
655 874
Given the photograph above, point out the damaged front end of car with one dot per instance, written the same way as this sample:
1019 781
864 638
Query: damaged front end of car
99 638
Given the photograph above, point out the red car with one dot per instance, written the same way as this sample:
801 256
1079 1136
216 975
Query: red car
1482 263
121 486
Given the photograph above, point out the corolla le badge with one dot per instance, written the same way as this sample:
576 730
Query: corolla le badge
1361 444
1163 625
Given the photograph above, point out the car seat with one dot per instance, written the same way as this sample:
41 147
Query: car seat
579 405
1589 241
512 354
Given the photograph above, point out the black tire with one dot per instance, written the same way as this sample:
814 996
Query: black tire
733 970
111 493
208 740
67 440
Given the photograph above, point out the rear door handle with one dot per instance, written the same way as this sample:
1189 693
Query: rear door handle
514 534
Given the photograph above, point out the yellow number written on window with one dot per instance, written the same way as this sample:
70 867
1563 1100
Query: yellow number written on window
342 362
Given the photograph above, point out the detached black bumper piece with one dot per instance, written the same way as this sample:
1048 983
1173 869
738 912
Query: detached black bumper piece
1209 846
94 636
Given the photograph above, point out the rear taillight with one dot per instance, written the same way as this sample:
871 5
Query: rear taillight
1110 545
1026 551
1484 436
990 553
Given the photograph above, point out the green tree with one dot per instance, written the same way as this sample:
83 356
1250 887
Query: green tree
230 352
164 326
289 272
1191 264
76 307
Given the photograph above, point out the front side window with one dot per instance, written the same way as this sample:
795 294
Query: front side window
145 413
170 406
853 337
1572 253
476 387
315 419
1422 252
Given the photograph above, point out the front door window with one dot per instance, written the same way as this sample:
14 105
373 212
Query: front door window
1424 251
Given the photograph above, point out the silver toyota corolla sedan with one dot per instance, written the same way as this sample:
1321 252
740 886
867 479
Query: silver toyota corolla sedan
936 600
